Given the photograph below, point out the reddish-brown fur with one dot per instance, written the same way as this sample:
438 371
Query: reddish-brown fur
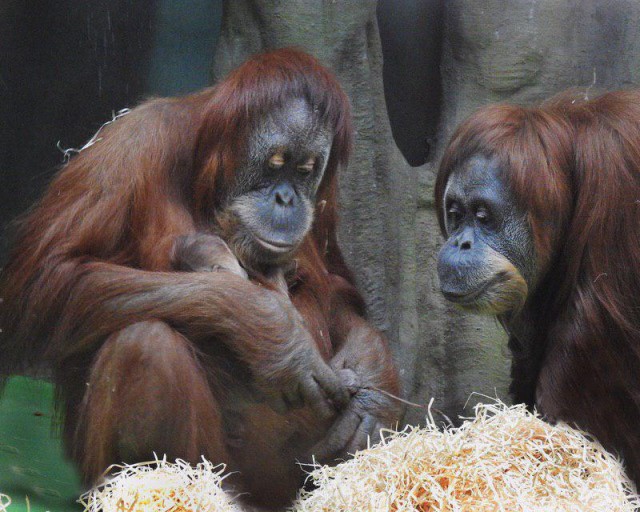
574 165
90 288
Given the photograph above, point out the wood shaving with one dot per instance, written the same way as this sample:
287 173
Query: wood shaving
505 459
163 487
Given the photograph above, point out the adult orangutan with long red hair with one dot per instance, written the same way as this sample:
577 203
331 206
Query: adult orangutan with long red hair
541 207
182 278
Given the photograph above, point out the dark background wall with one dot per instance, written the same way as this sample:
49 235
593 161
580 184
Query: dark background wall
413 69
66 66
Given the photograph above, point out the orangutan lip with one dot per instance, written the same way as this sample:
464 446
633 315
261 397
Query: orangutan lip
274 246
470 298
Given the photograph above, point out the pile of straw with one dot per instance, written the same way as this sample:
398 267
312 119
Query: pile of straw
162 486
504 459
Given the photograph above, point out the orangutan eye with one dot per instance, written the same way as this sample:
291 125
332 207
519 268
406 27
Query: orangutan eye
482 215
454 214
276 161
308 166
